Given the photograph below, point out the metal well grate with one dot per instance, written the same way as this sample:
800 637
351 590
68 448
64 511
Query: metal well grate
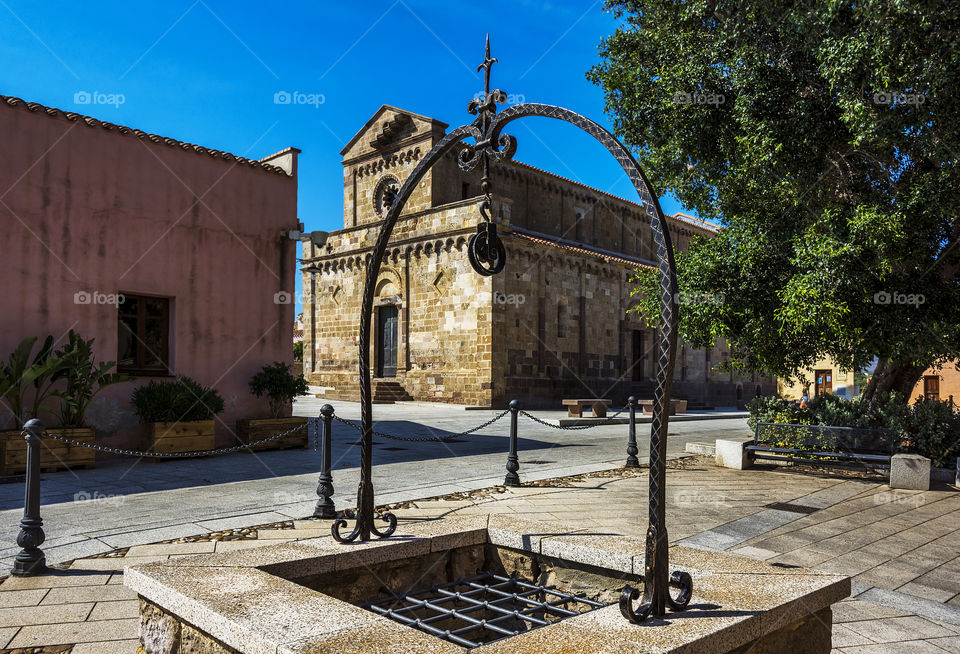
481 609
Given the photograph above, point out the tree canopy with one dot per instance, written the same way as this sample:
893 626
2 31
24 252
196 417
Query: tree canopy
823 136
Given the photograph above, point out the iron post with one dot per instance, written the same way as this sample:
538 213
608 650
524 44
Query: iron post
31 561
513 462
325 508
632 460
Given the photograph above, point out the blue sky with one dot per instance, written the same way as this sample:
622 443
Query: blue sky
208 71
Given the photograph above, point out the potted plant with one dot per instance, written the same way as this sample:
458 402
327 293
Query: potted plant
83 378
280 386
22 373
177 414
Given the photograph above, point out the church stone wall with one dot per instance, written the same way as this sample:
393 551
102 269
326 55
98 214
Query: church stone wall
553 325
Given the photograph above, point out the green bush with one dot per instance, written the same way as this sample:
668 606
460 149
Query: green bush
180 400
933 430
83 378
929 427
279 385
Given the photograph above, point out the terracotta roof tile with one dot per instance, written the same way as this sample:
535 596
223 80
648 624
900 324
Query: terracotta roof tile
153 138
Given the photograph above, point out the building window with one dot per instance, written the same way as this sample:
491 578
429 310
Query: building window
561 331
931 387
465 190
143 335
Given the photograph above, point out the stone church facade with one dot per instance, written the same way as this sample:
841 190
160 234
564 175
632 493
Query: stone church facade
554 324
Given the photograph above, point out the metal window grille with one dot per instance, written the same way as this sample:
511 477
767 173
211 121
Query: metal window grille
481 609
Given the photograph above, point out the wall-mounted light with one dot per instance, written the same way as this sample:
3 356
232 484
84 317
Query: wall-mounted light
317 238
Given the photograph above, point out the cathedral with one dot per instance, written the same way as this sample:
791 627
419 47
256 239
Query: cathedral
554 324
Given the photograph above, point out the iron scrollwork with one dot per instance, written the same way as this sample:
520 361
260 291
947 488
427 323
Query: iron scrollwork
488 256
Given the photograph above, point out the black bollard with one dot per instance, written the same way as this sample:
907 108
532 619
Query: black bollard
31 561
632 460
513 463
325 507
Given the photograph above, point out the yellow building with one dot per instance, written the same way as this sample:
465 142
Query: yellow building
824 377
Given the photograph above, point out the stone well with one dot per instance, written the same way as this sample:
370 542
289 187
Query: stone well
301 597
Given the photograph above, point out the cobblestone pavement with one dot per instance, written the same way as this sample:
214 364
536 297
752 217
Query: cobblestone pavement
859 527
128 501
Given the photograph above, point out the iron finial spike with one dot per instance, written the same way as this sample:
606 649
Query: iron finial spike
486 66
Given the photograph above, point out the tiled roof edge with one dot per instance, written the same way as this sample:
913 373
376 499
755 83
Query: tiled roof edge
153 138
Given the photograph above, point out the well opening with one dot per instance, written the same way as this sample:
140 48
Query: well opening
474 595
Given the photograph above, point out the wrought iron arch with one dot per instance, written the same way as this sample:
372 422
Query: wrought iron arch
488 256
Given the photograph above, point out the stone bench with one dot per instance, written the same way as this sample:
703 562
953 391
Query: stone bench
676 406
575 407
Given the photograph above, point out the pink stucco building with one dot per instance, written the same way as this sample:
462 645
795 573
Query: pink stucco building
192 238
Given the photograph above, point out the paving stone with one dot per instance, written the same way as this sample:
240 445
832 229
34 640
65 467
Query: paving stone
113 562
107 647
845 637
920 590
53 614
902 647
290 534
110 592
170 548
233 545
6 634
22 597
951 645
75 632
892 630
115 610
55 579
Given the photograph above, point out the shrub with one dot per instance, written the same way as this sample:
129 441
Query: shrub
279 385
933 431
24 369
83 378
929 427
180 400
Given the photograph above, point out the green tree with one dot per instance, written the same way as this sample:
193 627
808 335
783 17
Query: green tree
823 136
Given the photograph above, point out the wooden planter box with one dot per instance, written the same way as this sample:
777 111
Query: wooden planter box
54 455
250 431
193 436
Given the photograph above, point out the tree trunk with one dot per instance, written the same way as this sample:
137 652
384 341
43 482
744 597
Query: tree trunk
890 376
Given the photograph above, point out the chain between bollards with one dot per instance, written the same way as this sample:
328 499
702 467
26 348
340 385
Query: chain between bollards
325 507
513 463
31 561
632 460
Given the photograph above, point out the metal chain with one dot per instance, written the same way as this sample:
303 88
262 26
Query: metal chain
171 455
608 420
425 439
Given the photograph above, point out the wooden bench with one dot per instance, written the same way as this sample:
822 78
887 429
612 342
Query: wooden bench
575 407
676 406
